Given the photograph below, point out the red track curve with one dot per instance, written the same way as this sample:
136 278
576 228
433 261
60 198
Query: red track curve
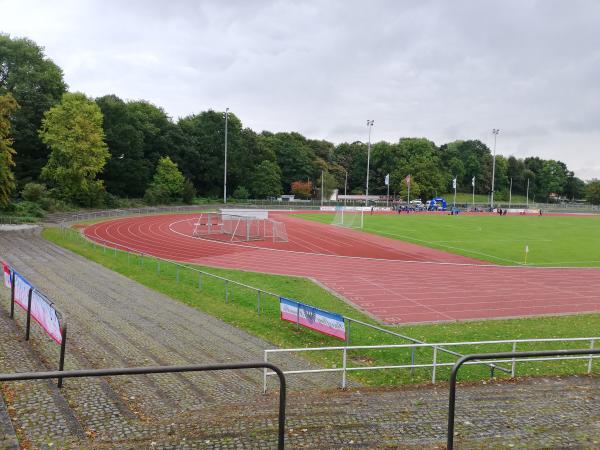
394 281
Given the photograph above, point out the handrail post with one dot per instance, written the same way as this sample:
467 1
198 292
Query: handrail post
63 345
28 325
434 364
265 372
12 294
344 361
589 371
513 368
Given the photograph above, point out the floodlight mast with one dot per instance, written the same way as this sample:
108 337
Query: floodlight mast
226 117
495 132
370 125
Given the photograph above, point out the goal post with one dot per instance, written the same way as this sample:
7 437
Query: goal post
225 226
348 217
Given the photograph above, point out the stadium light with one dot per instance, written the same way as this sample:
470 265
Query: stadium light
226 116
370 125
495 132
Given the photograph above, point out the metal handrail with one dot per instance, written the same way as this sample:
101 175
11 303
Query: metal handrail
434 365
490 356
164 369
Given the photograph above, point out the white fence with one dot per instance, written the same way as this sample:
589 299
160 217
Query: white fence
435 364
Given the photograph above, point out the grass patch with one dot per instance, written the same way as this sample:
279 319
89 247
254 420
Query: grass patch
552 240
240 310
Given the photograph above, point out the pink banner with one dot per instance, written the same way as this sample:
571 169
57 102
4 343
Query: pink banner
6 271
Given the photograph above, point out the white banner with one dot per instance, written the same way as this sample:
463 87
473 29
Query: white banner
44 313
42 309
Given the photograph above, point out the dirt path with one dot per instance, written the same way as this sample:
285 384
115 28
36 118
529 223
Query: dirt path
116 322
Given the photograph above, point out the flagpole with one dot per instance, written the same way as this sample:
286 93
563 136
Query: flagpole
408 201
387 204
473 184
510 195
454 202
527 193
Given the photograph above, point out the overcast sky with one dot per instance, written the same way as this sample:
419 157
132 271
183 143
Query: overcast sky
444 70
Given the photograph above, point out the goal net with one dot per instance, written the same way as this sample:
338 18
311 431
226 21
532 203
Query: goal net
234 228
348 218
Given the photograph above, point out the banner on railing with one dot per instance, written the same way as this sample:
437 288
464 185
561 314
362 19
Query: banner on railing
22 288
42 309
314 318
6 272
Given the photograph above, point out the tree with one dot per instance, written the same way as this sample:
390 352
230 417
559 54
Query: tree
592 192
294 156
73 131
168 183
127 172
8 106
266 181
37 84
302 189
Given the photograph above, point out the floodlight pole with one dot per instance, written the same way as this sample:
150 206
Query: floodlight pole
225 166
345 187
370 125
321 188
495 132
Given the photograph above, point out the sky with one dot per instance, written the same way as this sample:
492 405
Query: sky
444 70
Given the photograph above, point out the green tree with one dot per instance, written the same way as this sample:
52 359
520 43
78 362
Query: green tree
266 181
419 158
241 193
294 156
37 84
592 192
168 183
8 106
73 131
127 172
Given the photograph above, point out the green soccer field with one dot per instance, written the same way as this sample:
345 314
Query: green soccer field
572 241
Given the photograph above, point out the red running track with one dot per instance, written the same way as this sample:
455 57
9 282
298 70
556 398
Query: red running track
393 281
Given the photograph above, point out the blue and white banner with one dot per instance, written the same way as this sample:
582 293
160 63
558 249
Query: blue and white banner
314 318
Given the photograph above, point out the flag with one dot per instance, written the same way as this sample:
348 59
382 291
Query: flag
454 184
473 182
387 179
407 180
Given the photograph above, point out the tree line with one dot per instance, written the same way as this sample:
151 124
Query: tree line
59 146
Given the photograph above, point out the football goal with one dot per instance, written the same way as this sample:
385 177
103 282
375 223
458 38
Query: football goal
236 228
348 217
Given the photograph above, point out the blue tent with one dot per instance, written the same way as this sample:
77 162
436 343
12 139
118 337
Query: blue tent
431 205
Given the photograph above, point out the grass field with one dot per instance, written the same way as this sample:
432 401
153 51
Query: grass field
241 312
552 240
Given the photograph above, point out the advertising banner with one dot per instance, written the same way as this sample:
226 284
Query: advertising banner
314 318
21 291
42 310
6 272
